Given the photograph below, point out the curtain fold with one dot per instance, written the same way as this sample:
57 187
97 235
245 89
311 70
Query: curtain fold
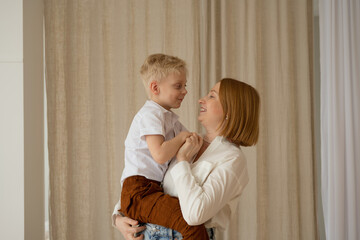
285 163
340 117
94 50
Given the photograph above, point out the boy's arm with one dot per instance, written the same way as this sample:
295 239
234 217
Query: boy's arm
161 150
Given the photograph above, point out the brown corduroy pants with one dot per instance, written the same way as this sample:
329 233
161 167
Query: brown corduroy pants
144 200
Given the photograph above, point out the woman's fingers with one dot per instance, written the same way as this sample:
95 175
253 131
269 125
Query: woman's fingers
189 148
139 237
199 139
138 229
195 138
130 221
128 227
131 234
196 143
133 231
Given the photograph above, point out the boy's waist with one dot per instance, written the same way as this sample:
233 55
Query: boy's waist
146 167
139 180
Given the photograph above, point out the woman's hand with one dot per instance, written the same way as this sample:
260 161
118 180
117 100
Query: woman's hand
190 148
127 227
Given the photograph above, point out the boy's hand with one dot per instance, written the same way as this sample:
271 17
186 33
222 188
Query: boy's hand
161 150
191 147
184 135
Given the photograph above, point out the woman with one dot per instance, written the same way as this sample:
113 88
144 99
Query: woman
209 187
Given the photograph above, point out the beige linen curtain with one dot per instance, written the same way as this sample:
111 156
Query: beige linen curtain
94 49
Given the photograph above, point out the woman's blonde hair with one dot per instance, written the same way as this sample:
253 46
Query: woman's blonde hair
158 66
241 106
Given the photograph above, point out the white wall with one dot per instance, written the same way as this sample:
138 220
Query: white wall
11 121
21 120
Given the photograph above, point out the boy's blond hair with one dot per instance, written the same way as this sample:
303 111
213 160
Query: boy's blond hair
158 66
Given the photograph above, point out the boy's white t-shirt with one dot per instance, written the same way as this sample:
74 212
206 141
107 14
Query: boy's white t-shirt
151 119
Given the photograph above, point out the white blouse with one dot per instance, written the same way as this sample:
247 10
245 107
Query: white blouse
208 189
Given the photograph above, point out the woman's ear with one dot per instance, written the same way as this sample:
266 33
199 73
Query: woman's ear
154 88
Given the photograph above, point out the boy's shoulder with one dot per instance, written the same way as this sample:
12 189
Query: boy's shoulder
149 108
149 112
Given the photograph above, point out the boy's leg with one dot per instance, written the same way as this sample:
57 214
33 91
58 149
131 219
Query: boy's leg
144 200
166 212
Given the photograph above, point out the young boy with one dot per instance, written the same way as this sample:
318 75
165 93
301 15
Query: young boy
154 138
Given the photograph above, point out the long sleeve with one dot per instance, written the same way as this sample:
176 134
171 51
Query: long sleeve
115 213
207 188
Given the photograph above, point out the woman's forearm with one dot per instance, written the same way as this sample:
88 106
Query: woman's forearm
200 202
194 200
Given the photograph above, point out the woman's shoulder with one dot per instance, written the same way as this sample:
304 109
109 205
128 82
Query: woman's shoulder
226 147
222 151
234 160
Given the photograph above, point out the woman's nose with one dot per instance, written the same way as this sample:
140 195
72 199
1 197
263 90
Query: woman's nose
201 100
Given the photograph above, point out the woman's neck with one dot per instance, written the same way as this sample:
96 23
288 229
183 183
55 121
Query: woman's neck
211 135
202 150
208 138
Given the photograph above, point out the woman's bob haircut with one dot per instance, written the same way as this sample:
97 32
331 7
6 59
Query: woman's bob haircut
241 106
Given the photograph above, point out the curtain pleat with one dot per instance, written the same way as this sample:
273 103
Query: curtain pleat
94 50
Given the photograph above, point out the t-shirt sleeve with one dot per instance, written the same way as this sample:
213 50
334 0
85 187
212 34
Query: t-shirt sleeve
183 128
151 124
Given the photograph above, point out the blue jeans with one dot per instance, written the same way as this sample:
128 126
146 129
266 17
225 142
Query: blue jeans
157 232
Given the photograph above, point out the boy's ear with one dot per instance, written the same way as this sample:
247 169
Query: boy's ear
154 87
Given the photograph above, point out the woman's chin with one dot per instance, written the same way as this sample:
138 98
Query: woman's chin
200 119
